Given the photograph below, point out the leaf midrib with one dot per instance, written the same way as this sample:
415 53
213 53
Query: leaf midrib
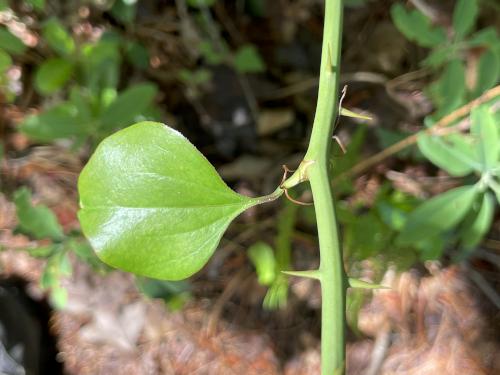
101 207
189 183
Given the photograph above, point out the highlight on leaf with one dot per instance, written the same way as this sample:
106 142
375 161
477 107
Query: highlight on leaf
153 205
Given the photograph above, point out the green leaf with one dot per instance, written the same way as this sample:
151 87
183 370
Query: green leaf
488 72
128 105
439 56
464 144
124 11
11 43
277 294
44 251
200 3
450 89
5 61
485 132
366 236
82 101
438 214
174 293
210 54
474 233
52 75
195 77
39 221
448 154
430 248
453 81
84 252
248 60
101 65
152 204
392 215
485 37
138 55
57 37
37 4
417 27
62 121
262 257
57 266
464 17
58 297
3 5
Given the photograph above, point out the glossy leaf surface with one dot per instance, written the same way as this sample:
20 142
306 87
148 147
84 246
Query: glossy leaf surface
153 205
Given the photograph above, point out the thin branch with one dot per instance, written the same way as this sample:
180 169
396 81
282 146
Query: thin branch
484 286
412 139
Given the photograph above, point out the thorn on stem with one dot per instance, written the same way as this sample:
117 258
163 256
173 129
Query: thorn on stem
339 142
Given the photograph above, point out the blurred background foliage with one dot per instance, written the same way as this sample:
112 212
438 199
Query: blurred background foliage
238 78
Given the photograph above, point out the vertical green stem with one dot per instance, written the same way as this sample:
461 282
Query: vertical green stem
333 285
315 168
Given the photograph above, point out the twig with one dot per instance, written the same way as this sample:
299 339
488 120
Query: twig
412 139
182 9
228 23
226 295
490 257
250 96
484 286
379 350
310 83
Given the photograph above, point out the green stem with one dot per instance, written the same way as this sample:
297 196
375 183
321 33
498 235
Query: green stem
315 167
333 279
333 285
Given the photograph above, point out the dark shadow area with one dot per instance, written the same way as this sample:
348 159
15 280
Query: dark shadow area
27 345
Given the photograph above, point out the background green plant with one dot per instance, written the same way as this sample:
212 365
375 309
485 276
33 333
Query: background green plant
80 82
39 222
471 154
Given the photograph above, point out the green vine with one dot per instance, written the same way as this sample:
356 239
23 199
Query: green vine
315 168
